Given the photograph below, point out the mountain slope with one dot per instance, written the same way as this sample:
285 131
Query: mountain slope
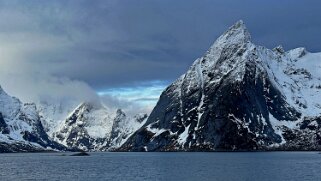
238 96
123 127
21 128
90 127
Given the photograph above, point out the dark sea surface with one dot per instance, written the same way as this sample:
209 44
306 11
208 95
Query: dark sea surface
162 166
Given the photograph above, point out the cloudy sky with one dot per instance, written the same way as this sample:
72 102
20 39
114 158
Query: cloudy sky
127 51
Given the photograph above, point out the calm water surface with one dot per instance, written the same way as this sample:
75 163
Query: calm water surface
162 166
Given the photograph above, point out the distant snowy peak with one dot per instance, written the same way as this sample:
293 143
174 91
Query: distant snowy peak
93 127
54 112
95 118
87 127
124 127
90 126
238 96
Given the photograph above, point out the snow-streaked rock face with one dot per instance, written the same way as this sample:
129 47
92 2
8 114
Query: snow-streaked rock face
124 127
21 128
238 96
87 127
92 127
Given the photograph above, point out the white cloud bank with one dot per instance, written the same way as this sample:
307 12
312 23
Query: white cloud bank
41 88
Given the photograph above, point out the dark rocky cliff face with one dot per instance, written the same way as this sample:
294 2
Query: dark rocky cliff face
3 126
228 100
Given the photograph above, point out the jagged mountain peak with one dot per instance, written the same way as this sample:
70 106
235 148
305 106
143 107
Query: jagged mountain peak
120 112
297 53
236 34
227 49
238 29
89 113
90 105
279 49
238 96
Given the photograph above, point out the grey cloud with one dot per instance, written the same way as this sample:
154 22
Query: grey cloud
43 88
117 43
146 99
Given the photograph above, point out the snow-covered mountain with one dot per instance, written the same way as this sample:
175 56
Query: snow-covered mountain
123 127
92 127
87 127
238 96
21 128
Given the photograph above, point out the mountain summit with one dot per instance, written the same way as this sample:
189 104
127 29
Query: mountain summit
238 96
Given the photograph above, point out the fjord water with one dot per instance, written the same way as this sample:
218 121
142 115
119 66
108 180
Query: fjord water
162 166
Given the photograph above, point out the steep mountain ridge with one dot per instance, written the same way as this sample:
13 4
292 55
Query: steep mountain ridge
238 96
